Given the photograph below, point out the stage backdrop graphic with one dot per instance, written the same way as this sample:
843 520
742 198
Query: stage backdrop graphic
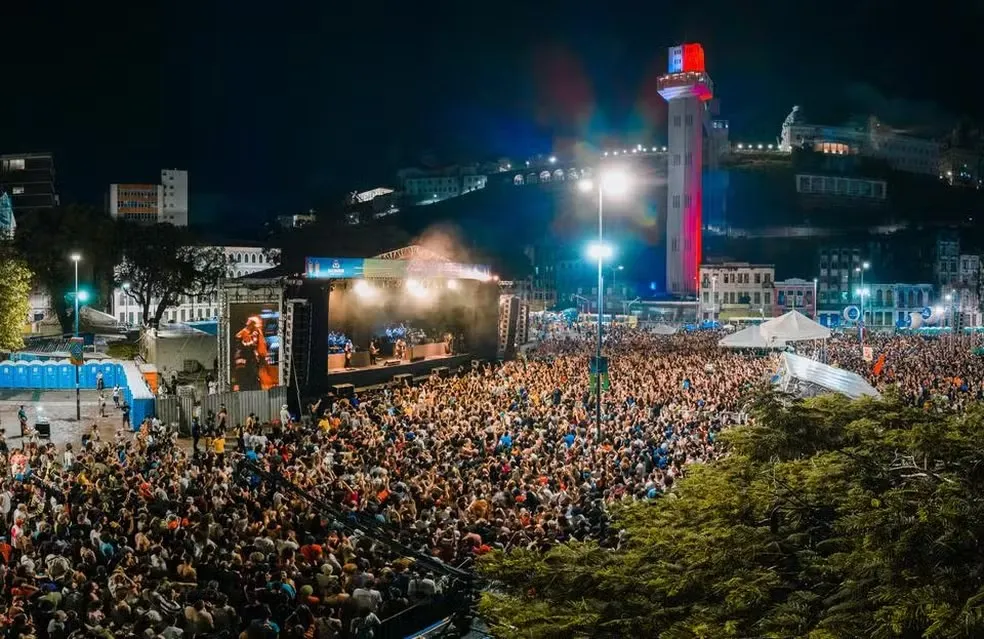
254 349
338 268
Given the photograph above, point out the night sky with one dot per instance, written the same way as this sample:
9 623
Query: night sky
274 107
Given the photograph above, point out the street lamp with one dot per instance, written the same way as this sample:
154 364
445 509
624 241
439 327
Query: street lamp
816 305
126 303
78 393
615 182
861 269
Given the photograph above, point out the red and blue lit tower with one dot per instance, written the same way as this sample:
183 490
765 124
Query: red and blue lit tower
686 87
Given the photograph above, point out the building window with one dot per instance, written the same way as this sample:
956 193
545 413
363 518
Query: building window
757 297
676 159
689 159
676 201
16 164
689 120
676 120
17 190
758 278
767 298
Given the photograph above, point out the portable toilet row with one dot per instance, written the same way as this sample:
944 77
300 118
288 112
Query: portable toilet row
58 375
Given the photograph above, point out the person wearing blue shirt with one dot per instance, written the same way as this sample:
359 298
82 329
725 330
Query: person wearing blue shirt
569 439
506 441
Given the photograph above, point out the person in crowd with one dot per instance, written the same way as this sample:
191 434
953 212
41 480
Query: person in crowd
135 538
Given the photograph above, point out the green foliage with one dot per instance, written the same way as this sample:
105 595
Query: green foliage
123 350
829 518
15 290
163 262
46 238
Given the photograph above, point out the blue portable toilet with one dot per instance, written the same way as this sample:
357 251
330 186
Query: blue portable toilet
22 375
109 374
50 375
36 374
6 374
66 375
89 371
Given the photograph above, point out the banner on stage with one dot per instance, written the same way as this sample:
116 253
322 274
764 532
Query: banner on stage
340 268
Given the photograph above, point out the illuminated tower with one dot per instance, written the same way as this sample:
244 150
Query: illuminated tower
686 87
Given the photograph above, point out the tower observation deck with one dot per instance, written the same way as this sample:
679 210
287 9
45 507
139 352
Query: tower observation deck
686 87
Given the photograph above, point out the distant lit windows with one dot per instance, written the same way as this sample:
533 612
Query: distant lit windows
16 164
17 190
850 187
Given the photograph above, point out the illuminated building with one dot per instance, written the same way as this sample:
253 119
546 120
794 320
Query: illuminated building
166 202
735 290
29 178
686 87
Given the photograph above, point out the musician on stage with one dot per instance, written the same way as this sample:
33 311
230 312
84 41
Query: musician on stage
401 349
349 348
373 351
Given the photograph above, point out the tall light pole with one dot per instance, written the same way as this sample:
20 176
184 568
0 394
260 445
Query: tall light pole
816 304
614 182
861 269
78 393
126 304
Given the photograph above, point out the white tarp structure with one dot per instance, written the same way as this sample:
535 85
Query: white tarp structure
805 377
793 327
749 337
663 329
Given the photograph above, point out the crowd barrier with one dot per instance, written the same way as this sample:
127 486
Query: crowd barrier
265 404
52 375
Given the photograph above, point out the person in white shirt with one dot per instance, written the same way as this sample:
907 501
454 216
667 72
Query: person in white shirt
68 457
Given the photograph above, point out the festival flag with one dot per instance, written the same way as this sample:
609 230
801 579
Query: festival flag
879 365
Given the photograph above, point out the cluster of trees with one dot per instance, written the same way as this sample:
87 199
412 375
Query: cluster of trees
15 287
828 519
159 263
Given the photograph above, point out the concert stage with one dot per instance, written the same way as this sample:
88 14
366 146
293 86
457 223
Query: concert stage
383 374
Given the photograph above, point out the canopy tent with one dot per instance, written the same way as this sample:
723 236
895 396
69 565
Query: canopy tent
749 337
793 327
807 378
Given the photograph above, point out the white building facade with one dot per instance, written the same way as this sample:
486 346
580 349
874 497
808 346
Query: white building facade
736 289
241 261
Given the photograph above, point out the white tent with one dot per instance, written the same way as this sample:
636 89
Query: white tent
749 337
793 327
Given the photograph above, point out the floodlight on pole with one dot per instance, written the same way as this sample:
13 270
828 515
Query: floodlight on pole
586 185
600 251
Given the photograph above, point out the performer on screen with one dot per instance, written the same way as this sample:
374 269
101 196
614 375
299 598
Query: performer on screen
250 355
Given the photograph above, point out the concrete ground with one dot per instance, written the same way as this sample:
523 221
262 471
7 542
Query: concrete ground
59 407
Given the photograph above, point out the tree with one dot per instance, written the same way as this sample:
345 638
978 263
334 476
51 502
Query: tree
15 291
47 237
162 263
865 520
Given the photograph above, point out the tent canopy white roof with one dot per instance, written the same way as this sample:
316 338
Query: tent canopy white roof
749 337
793 327
807 377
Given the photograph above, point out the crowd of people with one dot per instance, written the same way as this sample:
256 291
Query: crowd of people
140 537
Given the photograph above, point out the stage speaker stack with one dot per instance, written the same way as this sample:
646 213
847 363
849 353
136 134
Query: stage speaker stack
296 342
508 318
343 390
